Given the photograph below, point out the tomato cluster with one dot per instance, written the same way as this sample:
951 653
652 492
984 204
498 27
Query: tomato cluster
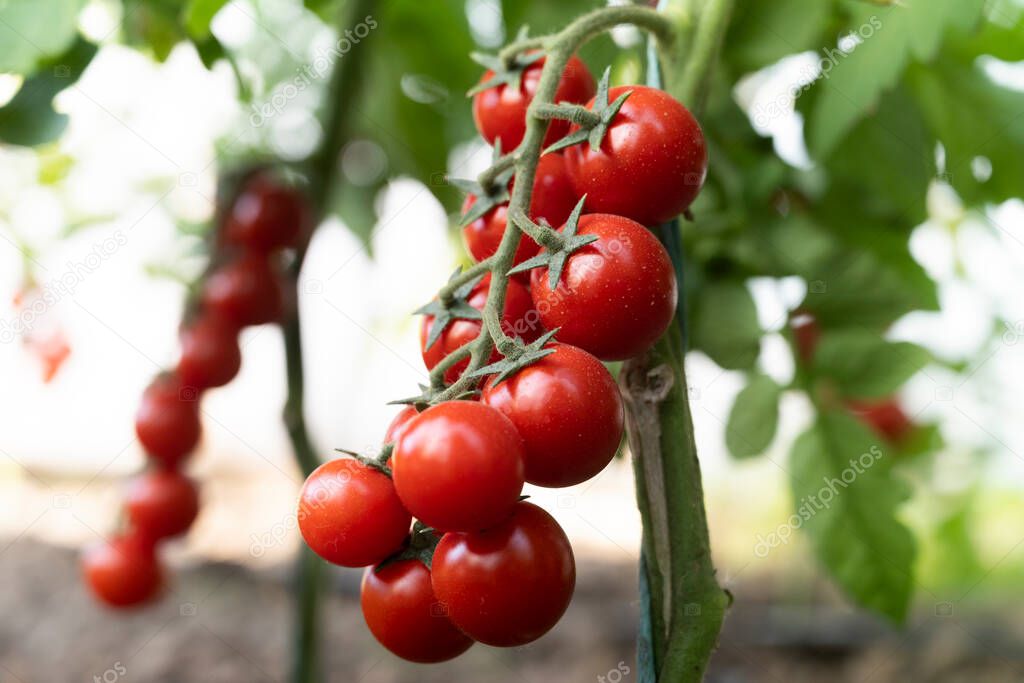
480 564
242 288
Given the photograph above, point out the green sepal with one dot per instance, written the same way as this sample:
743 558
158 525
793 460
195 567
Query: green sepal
521 357
378 462
595 134
504 74
486 197
420 546
555 259
455 309
420 402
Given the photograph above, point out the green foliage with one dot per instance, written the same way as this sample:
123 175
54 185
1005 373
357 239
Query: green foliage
863 365
33 32
725 326
29 118
753 418
846 495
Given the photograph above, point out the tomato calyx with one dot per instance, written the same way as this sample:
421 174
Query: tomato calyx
593 123
377 462
506 71
449 307
421 545
557 246
490 189
517 356
430 396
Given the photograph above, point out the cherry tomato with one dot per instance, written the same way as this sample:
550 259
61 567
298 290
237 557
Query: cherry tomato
651 164
399 423
161 503
616 296
507 585
404 616
459 466
520 319
350 515
245 291
885 417
210 356
500 112
266 215
167 422
567 408
806 334
553 199
123 571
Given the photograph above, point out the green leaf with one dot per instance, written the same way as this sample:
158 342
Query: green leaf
725 325
846 497
762 32
29 118
199 14
974 118
864 365
753 418
31 32
1001 36
892 38
155 25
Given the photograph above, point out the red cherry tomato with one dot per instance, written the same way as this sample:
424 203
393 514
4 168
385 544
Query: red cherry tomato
616 296
806 334
459 466
122 572
266 215
651 164
210 356
161 503
507 585
404 616
245 291
399 423
167 422
885 417
350 515
519 320
500 112
567 408
553 199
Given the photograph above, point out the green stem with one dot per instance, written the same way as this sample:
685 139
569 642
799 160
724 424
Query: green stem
560 48
546 237
321 170
575 113
476 270
486 179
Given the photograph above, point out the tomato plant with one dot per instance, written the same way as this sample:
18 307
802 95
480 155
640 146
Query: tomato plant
567 408
403 613
459 466
509 584
350 514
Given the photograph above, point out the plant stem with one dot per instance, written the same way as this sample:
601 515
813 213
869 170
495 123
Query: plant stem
686 605
561 47
321 169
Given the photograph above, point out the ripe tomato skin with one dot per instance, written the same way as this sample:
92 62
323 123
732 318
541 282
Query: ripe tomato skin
161 503
806 335
553 199
568 410
245 291
266 215
122 572
167 422
404 616
519 319
616 296
651 164
507 585
350 515
459 466
399 423
500 112
886 417
210 356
